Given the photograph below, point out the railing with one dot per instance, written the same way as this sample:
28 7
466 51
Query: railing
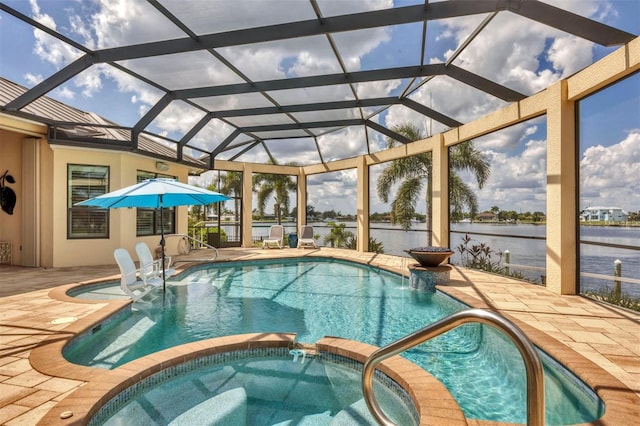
617 277
533 365
187 243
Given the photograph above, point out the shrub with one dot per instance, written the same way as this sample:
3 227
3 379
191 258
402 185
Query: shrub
478 256
615 298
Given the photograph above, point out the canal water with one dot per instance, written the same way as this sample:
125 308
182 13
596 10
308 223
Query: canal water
525 243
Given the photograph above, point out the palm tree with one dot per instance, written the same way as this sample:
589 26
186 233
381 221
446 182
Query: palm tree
266 185
338 235
231 185
414 172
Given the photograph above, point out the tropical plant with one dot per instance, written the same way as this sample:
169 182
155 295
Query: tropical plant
614 297
375 246
278 186
231 185
415 172
338 235
478 255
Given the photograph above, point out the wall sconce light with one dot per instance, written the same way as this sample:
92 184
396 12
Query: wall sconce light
162 166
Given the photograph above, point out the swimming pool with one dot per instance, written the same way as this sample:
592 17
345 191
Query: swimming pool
259 388
315 297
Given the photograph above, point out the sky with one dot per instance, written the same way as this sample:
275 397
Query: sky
526 58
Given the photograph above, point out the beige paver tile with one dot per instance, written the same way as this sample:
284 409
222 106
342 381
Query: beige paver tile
11 393
16 367
11 411
37 398
7 359
29 378
31 417
589 337
615 349
58 384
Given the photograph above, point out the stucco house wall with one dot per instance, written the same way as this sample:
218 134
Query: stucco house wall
37 230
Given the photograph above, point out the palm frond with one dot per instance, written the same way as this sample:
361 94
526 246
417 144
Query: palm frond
403 208
465 156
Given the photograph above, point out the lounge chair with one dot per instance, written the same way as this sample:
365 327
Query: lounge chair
275 238
150 267
305 239
134 287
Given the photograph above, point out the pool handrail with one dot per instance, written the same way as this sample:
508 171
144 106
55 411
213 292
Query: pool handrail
199 243
532 362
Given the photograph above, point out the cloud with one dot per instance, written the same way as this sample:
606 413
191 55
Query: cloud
346 143
518 163
33 79
609 175
49 48
333 191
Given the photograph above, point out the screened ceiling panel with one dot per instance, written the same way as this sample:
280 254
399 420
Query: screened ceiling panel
332 114
271 80
453 99
183 70
260 120
207 17
211 135
325 130
282 134
233 102
310 95
372 48
138 22
481 57
341 7
176 119
281 149
344 143
445 37
284 58
377 141
380 88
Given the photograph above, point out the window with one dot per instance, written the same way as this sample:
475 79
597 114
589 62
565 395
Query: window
86 182
148 220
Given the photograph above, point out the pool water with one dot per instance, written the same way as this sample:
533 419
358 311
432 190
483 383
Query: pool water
260 392
319 297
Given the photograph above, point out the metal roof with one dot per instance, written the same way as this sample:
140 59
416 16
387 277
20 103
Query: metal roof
198 61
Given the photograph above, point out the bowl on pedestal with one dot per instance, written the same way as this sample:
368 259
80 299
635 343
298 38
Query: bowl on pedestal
430 255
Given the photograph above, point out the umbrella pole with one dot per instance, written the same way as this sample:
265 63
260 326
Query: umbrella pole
164 278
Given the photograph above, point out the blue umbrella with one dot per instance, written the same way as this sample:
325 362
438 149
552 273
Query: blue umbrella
157 194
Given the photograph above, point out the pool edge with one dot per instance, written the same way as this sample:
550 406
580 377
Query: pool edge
621 401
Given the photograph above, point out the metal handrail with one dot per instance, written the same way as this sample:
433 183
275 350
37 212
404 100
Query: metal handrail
533 365
200 243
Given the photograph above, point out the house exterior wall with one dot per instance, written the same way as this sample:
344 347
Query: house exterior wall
11 160
123 168
37 229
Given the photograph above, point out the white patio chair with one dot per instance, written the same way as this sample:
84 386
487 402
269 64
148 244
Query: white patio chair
150 267
132 286
305 239
275 238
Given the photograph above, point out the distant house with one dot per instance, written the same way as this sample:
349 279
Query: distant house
603 214
486 217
